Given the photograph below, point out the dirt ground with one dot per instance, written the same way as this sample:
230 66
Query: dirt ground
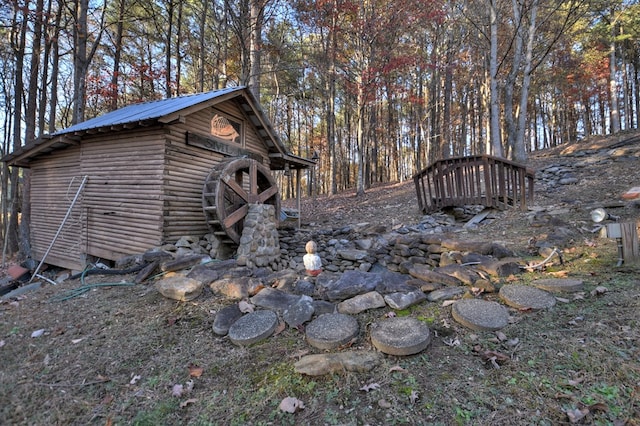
121 354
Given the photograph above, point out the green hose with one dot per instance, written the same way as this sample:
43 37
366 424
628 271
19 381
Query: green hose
86 287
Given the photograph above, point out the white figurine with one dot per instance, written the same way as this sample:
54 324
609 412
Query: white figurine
312 262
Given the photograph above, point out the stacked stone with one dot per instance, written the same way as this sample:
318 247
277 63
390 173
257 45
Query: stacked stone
414 248
259 243
355 247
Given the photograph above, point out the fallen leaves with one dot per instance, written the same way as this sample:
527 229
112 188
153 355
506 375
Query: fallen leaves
397 368
37 333
370 387
291 405
135 379
195 370
179 390
577 414
494 357
187 402
279 328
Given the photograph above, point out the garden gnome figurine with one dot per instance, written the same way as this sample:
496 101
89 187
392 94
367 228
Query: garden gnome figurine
312 262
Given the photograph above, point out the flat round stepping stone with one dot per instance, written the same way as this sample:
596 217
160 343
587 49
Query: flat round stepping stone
400 336
559 285
253 327
526 297
329 331
480 315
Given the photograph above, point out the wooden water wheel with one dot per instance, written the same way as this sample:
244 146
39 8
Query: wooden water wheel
230 187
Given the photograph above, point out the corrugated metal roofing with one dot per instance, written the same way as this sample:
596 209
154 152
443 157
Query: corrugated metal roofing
146 111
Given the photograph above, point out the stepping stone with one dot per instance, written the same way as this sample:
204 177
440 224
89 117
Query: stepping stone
560 285
480 315
329 331
526 297
400 336
253 327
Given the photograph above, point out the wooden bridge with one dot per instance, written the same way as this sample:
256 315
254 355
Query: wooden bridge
475 180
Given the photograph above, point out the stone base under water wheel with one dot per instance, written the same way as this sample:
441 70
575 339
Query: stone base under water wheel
259 244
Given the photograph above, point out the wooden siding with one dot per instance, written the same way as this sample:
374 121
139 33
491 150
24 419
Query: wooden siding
186 169
123 197
144 189
55 179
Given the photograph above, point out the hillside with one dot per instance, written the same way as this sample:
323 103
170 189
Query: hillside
120 353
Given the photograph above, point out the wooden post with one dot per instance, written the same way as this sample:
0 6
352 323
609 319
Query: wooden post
630 252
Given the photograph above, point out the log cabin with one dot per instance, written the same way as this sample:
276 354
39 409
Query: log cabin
147 174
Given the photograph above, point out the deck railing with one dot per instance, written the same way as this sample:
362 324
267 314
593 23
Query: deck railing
475 180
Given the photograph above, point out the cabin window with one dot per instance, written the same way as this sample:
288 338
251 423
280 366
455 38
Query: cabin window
226 129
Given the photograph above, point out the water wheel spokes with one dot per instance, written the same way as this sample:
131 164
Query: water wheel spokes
229 189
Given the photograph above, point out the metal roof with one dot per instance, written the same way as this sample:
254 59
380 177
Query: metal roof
163 111
146 111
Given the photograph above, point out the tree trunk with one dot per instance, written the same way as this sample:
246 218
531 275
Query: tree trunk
360 185
494 117
113 92
55 60
256 18
519 148
202 49
167 52
81 62
178 49
614 115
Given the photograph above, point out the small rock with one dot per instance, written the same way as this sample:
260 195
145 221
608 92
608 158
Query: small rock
235 288
361 303
401 301
349 284
445 293
180 288
352 254
225 319
274 299
300 312
323 307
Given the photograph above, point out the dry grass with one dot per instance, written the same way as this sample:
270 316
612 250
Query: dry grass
113 355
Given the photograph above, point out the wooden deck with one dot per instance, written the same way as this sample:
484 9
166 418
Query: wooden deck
475 180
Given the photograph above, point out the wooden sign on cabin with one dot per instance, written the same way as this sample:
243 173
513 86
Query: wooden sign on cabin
149 173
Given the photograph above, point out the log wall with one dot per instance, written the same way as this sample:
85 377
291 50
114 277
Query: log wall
144 189
123 198
55 179
187 167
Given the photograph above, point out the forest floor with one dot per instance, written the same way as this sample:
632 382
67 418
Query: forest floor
115 355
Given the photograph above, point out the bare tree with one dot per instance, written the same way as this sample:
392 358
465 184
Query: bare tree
83 54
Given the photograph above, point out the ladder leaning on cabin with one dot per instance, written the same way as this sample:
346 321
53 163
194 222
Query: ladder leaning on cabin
64 220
